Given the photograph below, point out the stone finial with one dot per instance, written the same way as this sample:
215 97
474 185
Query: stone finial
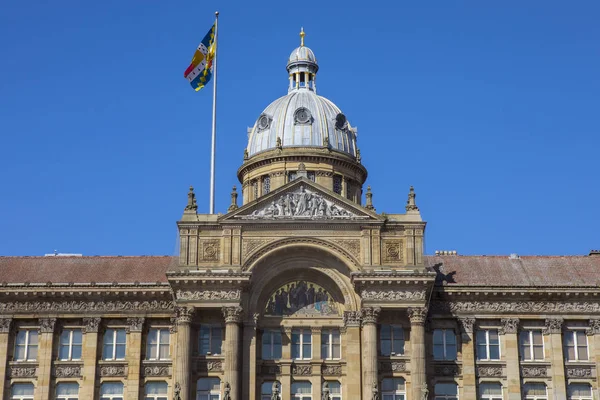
234 196
246 154
369 195
411 205
191 204
302 173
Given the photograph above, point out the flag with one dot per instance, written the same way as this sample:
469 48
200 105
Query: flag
200 70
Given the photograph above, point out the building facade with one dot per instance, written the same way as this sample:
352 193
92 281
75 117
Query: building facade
301 292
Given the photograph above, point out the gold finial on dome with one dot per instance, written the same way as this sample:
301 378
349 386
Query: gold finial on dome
302 37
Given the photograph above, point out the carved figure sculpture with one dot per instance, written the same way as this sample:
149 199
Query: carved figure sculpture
275 395
375 395
227 392
177 392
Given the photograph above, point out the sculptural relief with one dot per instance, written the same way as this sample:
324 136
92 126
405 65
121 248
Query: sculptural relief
301 297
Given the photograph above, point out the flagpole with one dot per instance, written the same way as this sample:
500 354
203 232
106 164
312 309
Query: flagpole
214 121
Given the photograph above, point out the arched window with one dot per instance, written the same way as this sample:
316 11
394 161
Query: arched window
535 391
22 391
67 391
393 389
208 389
490 391
111 391
580 391
266 389
446 391
156 390
301 391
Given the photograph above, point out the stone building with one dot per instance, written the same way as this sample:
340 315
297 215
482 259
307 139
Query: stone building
302 292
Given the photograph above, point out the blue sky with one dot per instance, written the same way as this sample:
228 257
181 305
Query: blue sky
490 109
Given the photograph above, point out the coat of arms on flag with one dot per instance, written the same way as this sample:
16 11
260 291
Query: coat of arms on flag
200 70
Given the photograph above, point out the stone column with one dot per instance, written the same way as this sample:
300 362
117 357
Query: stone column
351 352
133 355
46 336
183 319
553 327
593 332
509 328
468 357
232 317
417 316
369 335
5 325
286 364
249 357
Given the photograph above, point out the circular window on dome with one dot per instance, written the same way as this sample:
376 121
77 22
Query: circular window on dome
340 121
302 116
263 122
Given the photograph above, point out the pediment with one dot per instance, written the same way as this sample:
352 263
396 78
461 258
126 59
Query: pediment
302 200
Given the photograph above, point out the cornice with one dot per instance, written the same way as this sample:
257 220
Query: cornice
393 277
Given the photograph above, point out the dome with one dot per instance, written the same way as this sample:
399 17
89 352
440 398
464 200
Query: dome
301 54
302 119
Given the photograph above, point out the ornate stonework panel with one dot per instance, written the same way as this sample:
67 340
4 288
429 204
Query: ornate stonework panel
210 366
209 250
352 318
85 306
486 371
47 325
394 295
370 315
68 371
334 370
447 370
579 372
393 366
457 307
534 371
352 246
594 328
552 325
91 324
209 294
157 370
270 369
5 323
135 324
392 251
22 372
249 245
113 370
508 325
301 298
302 370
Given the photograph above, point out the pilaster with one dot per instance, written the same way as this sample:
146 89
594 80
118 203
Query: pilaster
553 328
89 355
369 315
249 358
232 317
5 329
417 316
45 344
509 328
183 319
467 326
135 326
352 345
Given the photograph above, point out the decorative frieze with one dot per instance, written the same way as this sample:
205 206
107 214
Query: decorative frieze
392 366
370 315
68 371
508 325
498 307
552 325
232 314
594 328
84 306
487 371
270 369
334 370
135 324
5 323
417 315
47 325
91 324
392 294
113 370
210 366
157 370
302 370
534 371
22 372
447 370
351 318
184 315
392 251
209 294
579 372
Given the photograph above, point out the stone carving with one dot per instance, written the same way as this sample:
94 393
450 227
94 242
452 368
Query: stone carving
177 391
113 370
458 307
351 318
508 325
375 395
594 328
534 371
214 366
369 315
325 392
208 250
579 372
393 366
301 204
271 369
183 315
301 370
23 372
68 371
84 306
47 325
135 324
489 371
417 315
276 391
332 370
91 324
392 294
5 323
351 245
157 370
232 314
467 324
392 251
552 325
249 245
233 294
227 391
447 370
301 298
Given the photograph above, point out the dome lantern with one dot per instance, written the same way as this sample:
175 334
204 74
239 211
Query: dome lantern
302 67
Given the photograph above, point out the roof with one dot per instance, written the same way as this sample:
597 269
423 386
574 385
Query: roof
524 271
98 269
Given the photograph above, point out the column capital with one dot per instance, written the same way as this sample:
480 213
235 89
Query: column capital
316 329
370 315
232 314
5 324
508 325
351 318
47 325
91 324
184 315
417 315
553 325
594 328
135 324
466 324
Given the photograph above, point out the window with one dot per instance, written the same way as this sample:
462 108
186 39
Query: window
271 345
22 391
337 184
444 344
576 345
67 391
301 344
211 339
393 389
158 344
267 388
208 389
255 189
311 175
488 344
156 391
579 391
391 340
330 344
532 345
26 345
534 391
446 391
114 344
490 391
70 345
266 184
301 391
111 391
335 390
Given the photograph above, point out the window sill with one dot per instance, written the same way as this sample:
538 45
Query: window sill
31 363
109 362
163 361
